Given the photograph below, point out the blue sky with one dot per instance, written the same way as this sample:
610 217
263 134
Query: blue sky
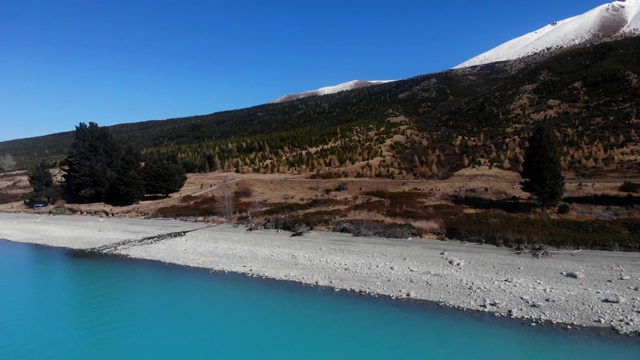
115 61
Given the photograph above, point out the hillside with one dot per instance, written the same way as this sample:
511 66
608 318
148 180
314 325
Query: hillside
428 126
357 161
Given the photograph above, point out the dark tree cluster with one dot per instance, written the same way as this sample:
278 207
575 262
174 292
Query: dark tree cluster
41 181
541 168
98 169
163 177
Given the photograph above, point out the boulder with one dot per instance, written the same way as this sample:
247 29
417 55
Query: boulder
615 300
457 262
575 275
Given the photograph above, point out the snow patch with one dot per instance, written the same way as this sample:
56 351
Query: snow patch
612 19
350 85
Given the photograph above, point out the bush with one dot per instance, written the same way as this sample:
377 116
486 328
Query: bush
342 187
307 220
243 193
188 199
564 209
629 187
11 197
510 230
376 229
204 206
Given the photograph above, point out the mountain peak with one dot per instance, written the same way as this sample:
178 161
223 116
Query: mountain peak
350 85
613 20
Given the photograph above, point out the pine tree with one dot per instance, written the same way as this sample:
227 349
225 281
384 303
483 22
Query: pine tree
41 181
541 169
128 185
163 177
90 162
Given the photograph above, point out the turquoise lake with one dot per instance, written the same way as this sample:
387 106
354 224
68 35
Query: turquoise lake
57 305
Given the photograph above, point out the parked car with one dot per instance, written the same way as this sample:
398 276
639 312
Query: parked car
39 206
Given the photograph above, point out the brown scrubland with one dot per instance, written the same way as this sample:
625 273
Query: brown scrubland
478 204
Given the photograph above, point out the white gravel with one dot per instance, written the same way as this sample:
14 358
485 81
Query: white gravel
589 288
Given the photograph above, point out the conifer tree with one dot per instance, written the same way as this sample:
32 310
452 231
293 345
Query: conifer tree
41 181
163 177
89 163
541 169
128 184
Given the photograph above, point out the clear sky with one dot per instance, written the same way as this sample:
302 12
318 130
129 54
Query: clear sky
116 61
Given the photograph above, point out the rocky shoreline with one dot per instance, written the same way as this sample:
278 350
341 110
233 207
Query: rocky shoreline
588 288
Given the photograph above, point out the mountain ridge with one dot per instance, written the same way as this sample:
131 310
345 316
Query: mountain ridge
609 21
350 85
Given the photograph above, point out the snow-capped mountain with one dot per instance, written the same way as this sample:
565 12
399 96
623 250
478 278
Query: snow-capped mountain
355 84
617 19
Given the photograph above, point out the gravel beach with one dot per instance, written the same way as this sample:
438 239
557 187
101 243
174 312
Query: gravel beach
586 288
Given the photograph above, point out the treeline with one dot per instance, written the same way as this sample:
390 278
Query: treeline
98 169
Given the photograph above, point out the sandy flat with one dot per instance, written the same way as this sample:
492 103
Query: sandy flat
606 292
82 232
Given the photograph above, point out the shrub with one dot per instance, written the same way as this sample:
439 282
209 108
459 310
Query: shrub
205 206
564 209
188 199
243 193
376 229
629 187
510 230
308 220
342 187
11 197
287 208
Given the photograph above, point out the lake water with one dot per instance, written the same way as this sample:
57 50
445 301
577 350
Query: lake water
57 305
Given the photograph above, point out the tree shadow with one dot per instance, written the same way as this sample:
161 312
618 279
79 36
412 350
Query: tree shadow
154 197
605 200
